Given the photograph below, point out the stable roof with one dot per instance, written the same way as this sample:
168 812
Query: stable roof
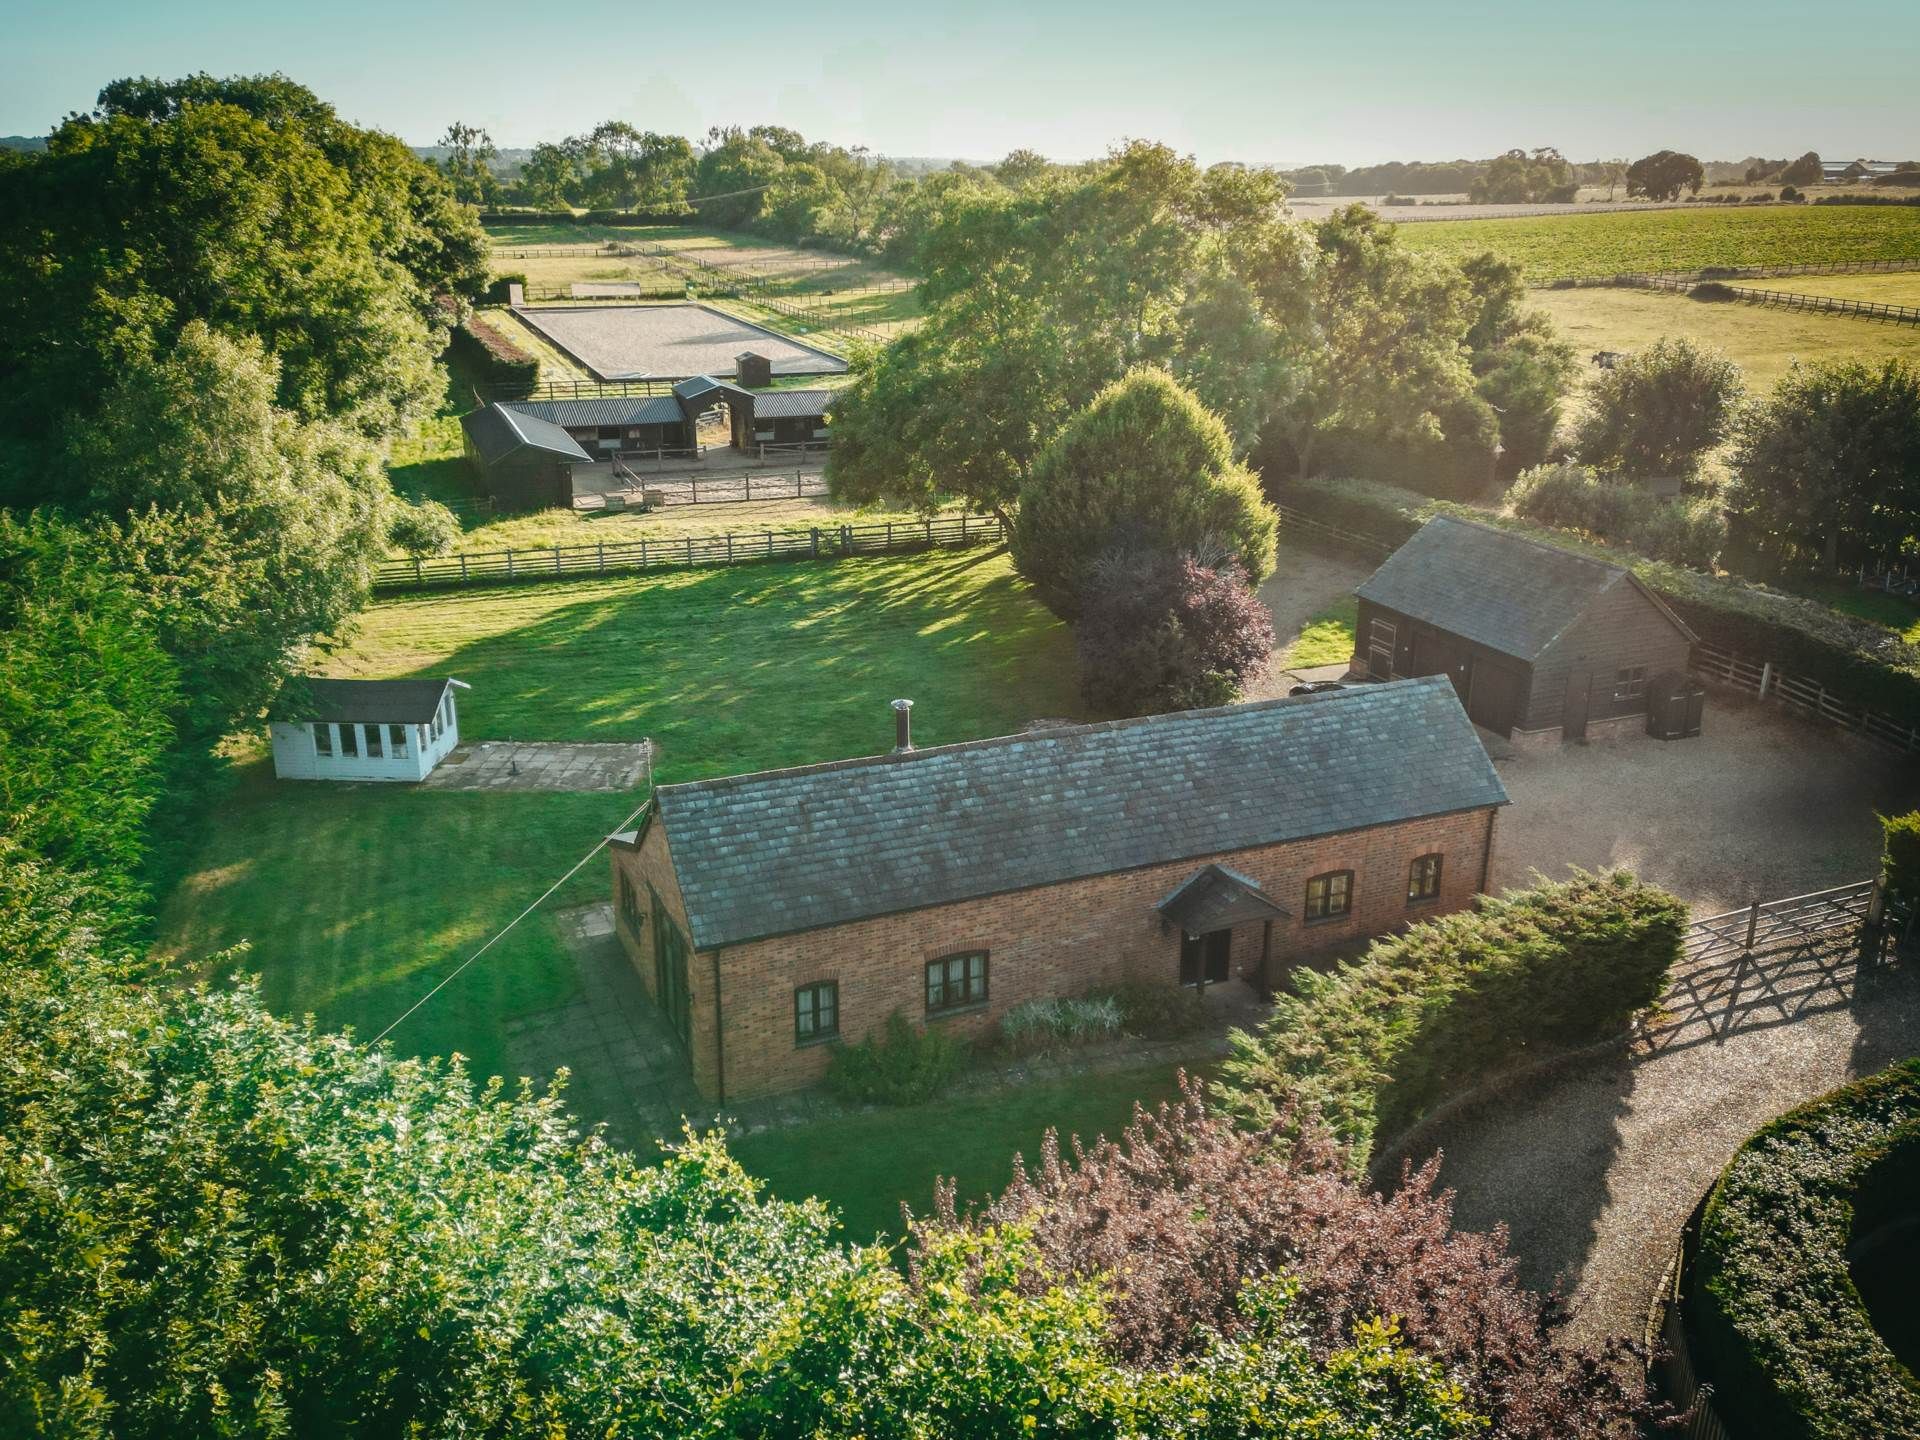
1495 588
789 850
603 410
790 404
498 432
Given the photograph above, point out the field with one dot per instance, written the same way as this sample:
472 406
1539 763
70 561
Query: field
357 899
1901 287
1551 247
1763 341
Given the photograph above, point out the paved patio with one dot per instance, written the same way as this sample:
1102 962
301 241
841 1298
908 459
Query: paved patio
514 765
628 1068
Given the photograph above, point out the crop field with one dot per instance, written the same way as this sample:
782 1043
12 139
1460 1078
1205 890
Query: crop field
1553 247
1762 341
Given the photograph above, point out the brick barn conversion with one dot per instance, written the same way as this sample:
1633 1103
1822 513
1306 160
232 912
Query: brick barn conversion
525 451
367 730
771 915
1539 642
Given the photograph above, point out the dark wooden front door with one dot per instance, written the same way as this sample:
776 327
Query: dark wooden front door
671 991
1203 959
1495 695
1573 722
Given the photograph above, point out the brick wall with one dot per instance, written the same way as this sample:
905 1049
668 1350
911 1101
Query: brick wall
1056 940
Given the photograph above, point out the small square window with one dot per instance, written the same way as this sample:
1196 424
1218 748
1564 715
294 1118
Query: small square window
1423 879
1329 896
956 982
373 742
323 740
1630 683
816 1012
350 740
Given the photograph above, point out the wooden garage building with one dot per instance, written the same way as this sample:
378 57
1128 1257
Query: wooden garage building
1538 641
523 461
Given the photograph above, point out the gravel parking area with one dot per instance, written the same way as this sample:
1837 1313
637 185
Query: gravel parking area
1595 1169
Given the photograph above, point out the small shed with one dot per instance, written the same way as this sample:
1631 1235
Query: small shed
524 461
790 419
1537 640
366 729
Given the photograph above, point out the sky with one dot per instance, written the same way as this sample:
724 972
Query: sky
1348 81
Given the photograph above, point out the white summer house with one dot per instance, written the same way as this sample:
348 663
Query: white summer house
368 730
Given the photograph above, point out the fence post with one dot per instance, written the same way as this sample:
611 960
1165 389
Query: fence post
509 562
643 552
689 552
1753 925
603 557
463 565
1766 678
796 484
556 559
814 541
416 569
1875 921
729 547
749 486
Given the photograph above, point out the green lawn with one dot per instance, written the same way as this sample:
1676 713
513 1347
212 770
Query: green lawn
357 899
1326 639
865 1165
1550 246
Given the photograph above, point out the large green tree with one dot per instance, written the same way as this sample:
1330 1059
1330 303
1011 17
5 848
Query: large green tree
244 203
1664 174
1659 411
1827 467
247 532
1521 368
1145 466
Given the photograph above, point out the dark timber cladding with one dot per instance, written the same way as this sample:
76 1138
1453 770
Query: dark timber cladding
791 850
1533 637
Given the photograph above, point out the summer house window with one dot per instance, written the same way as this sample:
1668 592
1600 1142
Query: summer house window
350 740
397 741
816 1012
956 982
1423 879
1329 896
373 742
323 740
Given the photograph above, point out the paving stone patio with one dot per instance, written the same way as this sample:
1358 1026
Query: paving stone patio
514 765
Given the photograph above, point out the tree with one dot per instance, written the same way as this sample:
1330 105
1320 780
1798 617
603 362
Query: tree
622 168
1521 370
423 528
1664 174
246 533
1161 632
1144 466
468 166
1517 178
246 204
1828 465
1804 171
550 176
1183 1212
1660 410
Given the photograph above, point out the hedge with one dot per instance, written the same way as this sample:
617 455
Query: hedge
1776 1321
1371 1046
586 217
494 357
1858 661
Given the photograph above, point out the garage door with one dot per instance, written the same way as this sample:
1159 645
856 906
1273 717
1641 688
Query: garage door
1435 653
1495 696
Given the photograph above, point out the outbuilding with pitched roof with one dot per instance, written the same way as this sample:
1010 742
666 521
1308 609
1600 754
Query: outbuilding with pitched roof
1538 641
773 915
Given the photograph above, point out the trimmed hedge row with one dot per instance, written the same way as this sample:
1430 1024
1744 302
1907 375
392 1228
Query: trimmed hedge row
1373 1045
495 357
1865 663
1776 1321
586 217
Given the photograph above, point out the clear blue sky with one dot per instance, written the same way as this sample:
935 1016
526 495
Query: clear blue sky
1352 81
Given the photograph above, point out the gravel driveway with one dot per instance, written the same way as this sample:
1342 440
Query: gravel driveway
1304 582
1595 1170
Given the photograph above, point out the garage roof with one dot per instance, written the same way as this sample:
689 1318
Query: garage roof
789 850
1495 588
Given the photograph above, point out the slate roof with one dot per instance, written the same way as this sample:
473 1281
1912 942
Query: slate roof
789 850
604 410
1216 898
1495 588
400 702
498 432
789 404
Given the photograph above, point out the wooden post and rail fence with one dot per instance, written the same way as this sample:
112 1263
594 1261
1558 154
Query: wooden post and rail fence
561 562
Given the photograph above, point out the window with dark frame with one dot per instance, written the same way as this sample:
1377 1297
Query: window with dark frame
1329 896
1630 683
816 1012
956 982
323 741
1423 879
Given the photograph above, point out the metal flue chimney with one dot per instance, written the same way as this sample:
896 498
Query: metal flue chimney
902 726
